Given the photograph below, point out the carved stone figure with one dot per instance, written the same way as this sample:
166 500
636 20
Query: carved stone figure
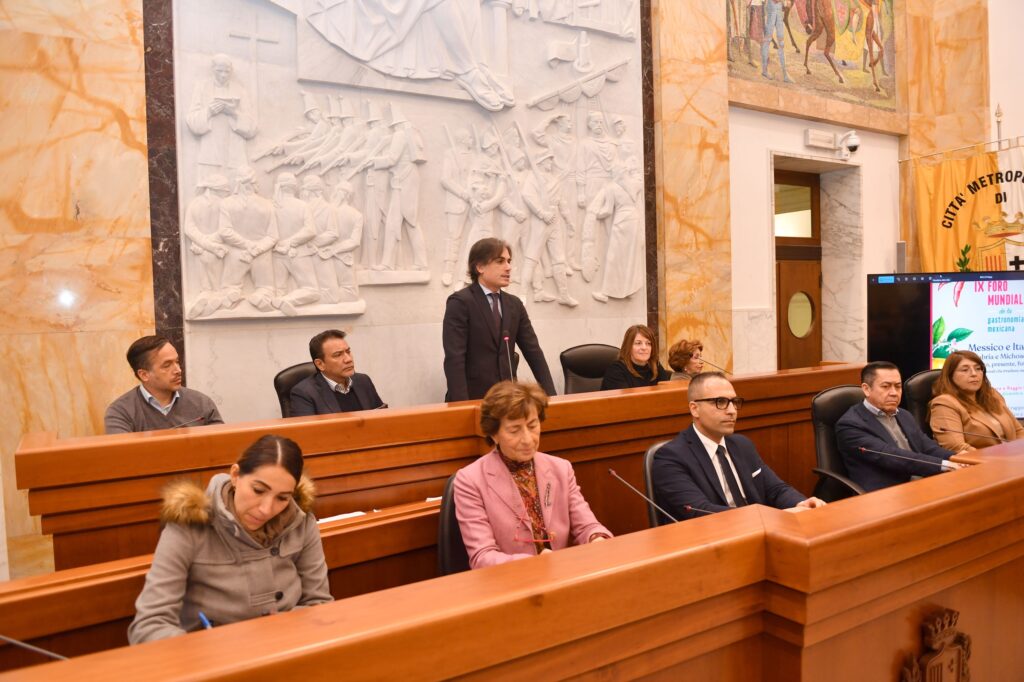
335 152
300 151
620 200
202 218
556 133
321 211
293 253
375 182
402 157
348 223
455 170
542 195
629 155
598 153
248 226
220 116
488 192
418 39
317 128
513 217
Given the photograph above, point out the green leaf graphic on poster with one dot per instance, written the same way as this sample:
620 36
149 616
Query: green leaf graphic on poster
942 350
959 334
938 327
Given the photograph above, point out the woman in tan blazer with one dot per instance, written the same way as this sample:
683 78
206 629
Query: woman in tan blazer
966 412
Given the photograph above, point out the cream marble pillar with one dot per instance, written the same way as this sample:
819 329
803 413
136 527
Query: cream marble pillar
691 104
74 219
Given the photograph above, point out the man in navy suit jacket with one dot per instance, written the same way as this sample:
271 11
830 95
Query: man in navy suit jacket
336 387
478 340
709 468
878 424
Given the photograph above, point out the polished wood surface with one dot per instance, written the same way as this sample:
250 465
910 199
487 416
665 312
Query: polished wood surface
99 496
755 593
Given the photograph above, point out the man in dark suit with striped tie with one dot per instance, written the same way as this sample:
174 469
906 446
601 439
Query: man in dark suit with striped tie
707 467
482 326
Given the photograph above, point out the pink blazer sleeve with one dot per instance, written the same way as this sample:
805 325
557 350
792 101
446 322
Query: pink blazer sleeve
487 529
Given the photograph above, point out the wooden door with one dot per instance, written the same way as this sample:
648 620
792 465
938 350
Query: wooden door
799 313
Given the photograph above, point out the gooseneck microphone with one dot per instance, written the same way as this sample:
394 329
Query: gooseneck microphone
508 355
649 500
720 369
190 421
911 459
968 433
688 509
30 647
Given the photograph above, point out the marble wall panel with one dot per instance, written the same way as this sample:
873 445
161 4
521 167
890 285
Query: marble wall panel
756 348
843 331
74 227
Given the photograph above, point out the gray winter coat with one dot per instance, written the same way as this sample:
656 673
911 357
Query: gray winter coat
205 561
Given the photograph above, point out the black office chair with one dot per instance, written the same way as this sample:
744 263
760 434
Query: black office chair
584 366
826 409
451 552
917 393
652 513
285 381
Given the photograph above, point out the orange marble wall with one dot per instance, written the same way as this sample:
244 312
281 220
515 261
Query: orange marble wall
74 218
691 105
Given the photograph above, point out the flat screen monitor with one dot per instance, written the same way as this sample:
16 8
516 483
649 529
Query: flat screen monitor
916 320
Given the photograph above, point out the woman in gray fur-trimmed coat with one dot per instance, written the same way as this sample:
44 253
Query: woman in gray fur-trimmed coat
248 546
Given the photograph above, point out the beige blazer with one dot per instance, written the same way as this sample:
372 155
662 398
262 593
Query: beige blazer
946 412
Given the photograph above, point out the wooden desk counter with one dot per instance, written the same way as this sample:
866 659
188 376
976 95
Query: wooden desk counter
99 496
834 594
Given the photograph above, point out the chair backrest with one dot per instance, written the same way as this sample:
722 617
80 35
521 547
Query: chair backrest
451 552
652 513
917 393
285 381
584 366
826 409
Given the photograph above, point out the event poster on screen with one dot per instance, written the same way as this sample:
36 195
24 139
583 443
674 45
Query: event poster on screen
986 317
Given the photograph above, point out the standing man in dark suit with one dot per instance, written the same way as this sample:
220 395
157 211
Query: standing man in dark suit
879 424
337 387
708 467
482 325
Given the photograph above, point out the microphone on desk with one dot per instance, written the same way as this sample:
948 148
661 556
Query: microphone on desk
968 433
911 459
30 647
720 369
508 355
190 421
649 500
688 509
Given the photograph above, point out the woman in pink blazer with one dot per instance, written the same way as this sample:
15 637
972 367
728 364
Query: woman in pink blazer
515 502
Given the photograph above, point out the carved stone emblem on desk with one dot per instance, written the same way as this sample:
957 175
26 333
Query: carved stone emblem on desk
947 652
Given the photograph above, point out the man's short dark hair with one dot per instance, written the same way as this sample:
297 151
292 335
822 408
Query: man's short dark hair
316 344
867 375
483 252
140 353
696 388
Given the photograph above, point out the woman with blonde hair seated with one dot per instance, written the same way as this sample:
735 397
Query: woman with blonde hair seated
516 502
245 547
637 364
684 357
966 412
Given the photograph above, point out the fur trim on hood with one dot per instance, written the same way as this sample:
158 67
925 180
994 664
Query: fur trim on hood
187 503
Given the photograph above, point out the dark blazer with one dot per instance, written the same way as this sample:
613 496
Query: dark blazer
475 355
858 428
618 376
313 395
682 475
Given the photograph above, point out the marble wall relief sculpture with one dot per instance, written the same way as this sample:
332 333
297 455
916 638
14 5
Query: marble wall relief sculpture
377 140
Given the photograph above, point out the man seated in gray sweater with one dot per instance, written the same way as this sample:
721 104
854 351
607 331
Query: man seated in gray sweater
160 401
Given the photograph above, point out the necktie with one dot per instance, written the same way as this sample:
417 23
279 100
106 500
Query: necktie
730 480
496 311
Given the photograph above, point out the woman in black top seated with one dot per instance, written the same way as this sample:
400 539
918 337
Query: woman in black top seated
637 364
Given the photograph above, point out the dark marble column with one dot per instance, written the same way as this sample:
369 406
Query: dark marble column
157 16
650 186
